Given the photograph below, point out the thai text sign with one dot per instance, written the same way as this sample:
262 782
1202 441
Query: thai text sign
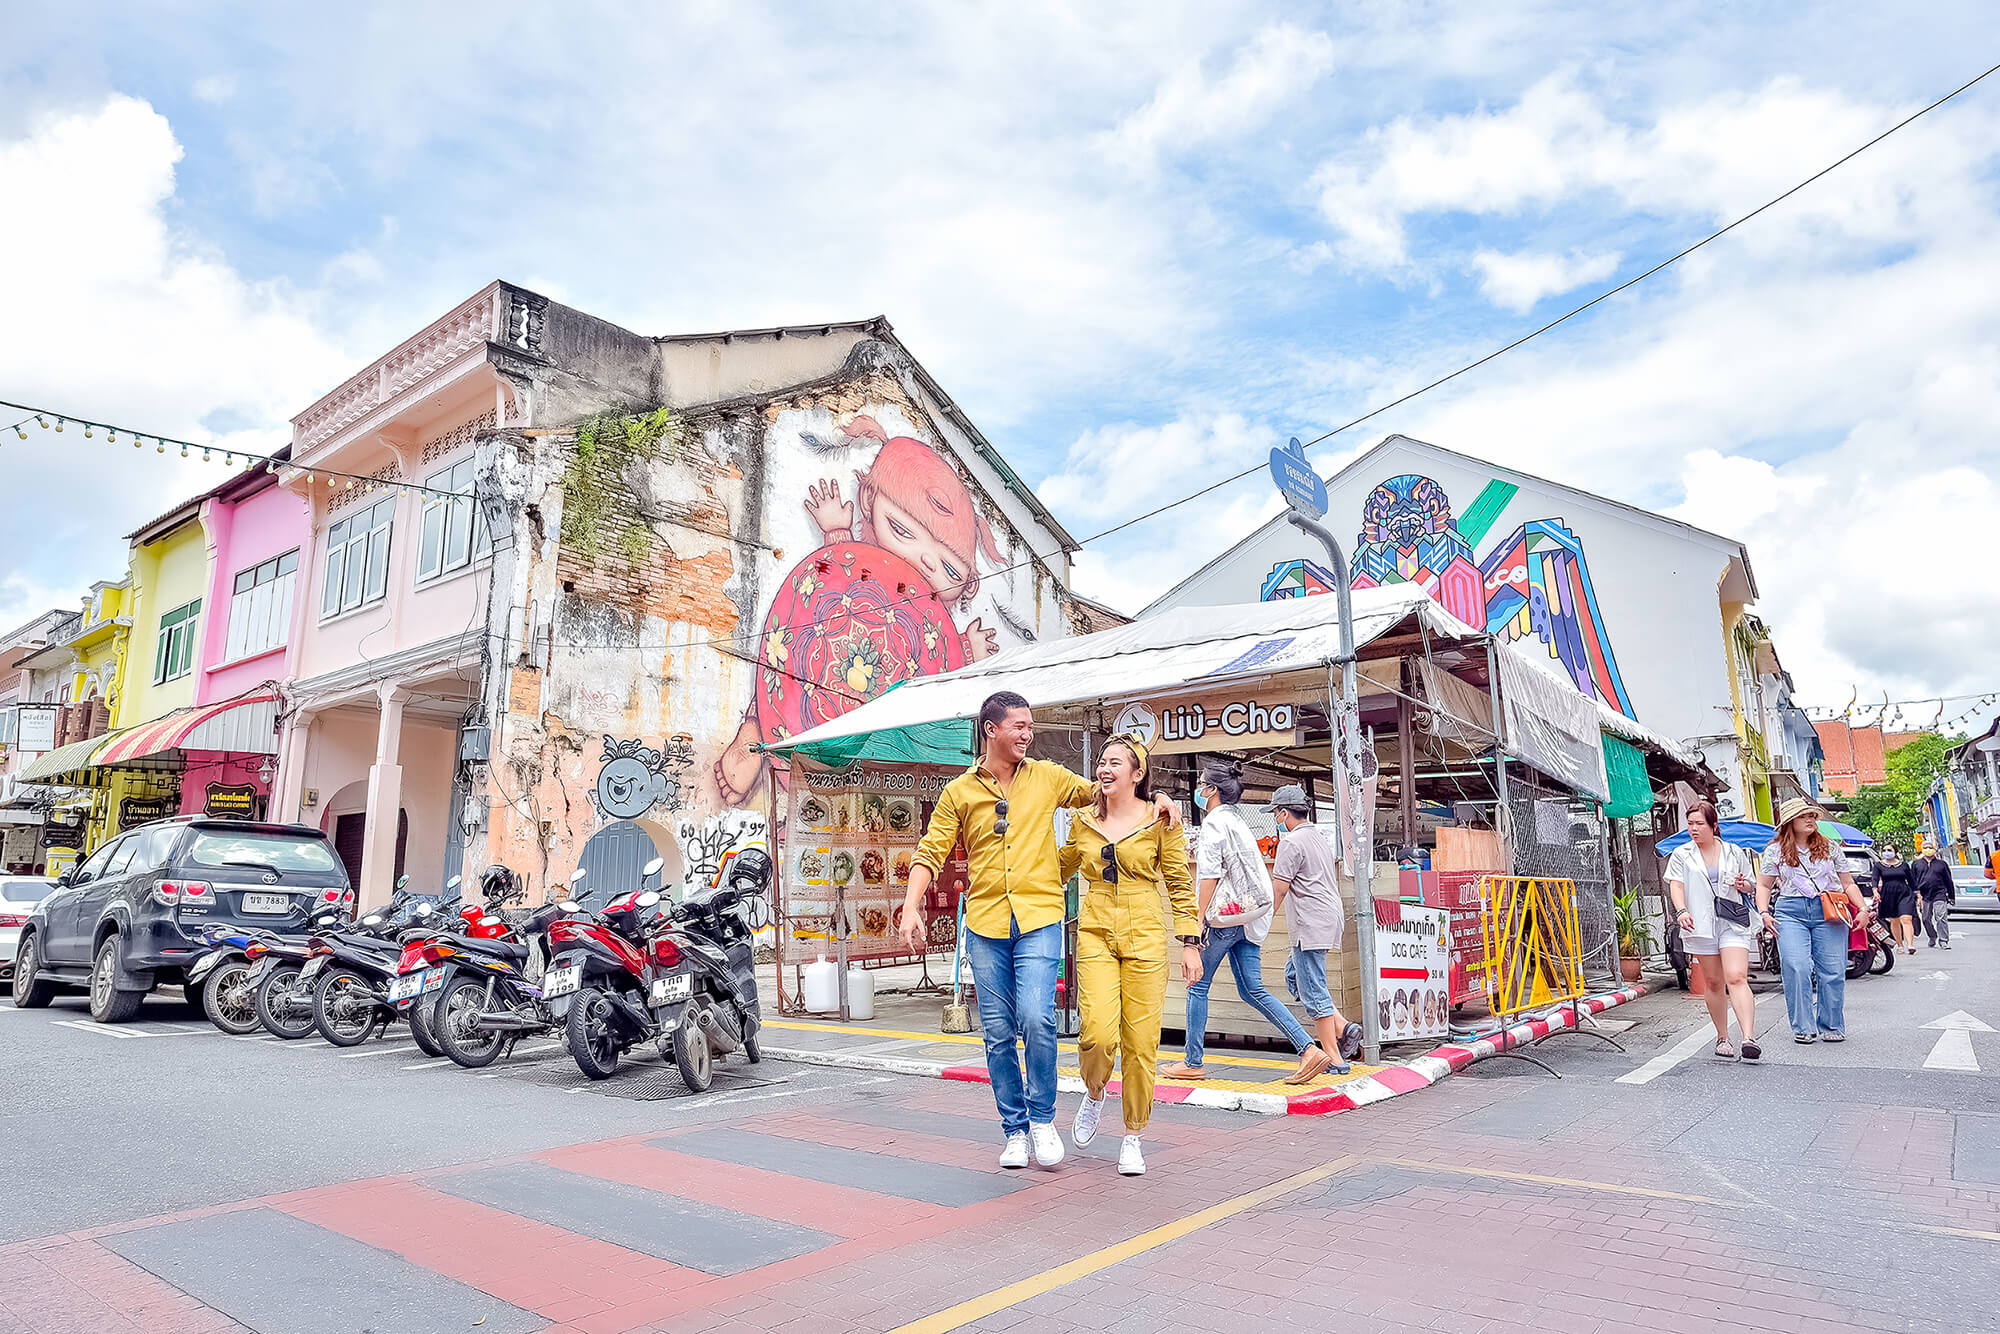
37 728
1302 487
1411 988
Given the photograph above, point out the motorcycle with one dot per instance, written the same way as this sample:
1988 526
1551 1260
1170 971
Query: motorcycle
483 982
350 973
609 972
229 974
714 975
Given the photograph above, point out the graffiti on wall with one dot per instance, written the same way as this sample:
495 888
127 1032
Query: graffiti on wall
885 597
1533 584
633 777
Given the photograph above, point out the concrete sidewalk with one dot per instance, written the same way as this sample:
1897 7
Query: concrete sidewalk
902 1038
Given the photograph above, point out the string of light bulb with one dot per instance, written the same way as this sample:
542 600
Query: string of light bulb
251 461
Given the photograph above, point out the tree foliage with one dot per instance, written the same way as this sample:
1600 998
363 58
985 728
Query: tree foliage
1893 811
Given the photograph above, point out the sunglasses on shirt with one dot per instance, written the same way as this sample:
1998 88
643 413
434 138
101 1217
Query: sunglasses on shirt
1110 855
1000 823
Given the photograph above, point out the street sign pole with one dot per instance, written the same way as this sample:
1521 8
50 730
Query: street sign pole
1305 496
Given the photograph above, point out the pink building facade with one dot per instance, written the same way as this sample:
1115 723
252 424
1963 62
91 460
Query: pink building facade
256 531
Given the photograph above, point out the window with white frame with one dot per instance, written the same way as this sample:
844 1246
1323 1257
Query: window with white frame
173 653
357 559
454 532
260 607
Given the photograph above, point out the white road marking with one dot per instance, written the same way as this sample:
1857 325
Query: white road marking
1695 1040
397 1049
251 1037
1953 1052
104 1030
429 1065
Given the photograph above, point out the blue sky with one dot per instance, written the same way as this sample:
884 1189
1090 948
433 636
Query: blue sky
1139 247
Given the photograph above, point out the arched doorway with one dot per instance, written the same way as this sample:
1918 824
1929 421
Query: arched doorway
616 856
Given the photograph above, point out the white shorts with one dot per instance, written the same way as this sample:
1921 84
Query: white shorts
1726 937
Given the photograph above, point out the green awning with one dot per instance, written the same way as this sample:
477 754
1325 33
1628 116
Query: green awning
944 741
66 759
1631 789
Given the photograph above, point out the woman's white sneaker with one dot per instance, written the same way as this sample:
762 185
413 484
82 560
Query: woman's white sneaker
1016 1152
1048 1144
1131 1162
1084 1129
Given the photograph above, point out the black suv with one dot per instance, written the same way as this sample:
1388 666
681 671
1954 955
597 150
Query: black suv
131 915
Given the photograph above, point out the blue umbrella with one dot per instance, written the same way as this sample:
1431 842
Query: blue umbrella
1845 833
1743 833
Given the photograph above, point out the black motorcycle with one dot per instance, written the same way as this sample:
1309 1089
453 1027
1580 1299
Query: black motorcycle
350 973
487 997
228 975
706 1000
608 977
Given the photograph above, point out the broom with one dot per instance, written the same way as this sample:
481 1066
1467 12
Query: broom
957 1016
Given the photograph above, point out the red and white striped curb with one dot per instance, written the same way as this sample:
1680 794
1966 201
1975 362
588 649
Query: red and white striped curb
1361 1091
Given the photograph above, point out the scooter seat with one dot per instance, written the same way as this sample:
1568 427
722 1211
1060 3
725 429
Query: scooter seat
505 949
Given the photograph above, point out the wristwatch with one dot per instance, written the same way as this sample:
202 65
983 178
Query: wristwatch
1189 940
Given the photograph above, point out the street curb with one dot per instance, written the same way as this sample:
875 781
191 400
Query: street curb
1362 1091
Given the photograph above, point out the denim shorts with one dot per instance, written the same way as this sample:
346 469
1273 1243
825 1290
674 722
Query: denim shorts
1305 978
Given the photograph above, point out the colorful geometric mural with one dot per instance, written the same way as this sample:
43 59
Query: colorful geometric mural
1535 583
1295 579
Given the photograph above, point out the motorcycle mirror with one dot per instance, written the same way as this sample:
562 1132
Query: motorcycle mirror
648 899
453 882
401 881
577 875
569 905
653 866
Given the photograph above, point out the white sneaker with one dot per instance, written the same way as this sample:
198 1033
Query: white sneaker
1016 1152
1085 1128
1048 1144
1131 1162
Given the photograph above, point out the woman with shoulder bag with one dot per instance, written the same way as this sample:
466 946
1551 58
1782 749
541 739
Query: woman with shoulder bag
1710 884
1815 906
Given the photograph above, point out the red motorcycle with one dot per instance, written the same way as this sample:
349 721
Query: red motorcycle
611 975
420 969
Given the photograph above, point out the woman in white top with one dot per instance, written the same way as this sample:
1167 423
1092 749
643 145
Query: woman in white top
1711 885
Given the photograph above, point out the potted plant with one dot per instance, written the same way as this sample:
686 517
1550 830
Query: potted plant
1635 933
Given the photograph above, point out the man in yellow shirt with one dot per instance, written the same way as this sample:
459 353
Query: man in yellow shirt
1003 810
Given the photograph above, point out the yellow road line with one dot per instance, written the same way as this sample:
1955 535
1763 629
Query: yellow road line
1943 1231
976 1041
1610 1186
963 1314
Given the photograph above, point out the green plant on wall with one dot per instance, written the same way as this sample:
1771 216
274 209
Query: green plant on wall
604 444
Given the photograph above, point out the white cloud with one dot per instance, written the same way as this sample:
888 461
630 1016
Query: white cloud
1116 471
1516 282
132 323
1275 66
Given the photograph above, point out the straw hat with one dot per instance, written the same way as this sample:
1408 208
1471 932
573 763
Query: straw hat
1796 807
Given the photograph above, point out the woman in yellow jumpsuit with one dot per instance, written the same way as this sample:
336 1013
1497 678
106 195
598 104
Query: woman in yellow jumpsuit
1126 854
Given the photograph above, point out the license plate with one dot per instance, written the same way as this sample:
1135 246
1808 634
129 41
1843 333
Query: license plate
313 965
679 987
259 968
406 986
267 903
562 981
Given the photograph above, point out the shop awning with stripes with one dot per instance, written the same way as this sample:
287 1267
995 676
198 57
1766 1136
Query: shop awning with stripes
246 726
65 759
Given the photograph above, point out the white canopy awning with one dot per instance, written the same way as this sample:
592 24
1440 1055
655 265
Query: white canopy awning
1188 648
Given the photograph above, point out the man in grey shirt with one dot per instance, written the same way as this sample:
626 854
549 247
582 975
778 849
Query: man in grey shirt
1307 873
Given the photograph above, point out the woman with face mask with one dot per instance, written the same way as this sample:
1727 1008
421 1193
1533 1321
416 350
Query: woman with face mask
1237 901
1896 897
1126 853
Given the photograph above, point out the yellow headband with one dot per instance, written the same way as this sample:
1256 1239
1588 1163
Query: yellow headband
1138 748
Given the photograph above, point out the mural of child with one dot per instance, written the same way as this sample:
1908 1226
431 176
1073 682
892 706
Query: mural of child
873 605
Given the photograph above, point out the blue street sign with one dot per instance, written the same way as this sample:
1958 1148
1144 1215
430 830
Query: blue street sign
1301 486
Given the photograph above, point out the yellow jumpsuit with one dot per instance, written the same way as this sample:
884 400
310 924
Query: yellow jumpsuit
1122 947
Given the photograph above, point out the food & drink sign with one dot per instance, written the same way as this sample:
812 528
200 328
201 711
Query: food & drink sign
850 842
1221 722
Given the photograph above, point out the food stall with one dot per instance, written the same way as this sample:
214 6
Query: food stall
1457 731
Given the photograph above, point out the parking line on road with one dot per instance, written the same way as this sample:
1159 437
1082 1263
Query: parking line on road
1612 1187
978 1308
394 1049
1695 1039
104 1029
429 1065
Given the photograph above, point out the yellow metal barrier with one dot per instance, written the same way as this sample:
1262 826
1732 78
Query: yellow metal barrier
1534 956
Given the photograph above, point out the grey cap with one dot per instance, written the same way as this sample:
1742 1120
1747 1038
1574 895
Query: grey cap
1290 797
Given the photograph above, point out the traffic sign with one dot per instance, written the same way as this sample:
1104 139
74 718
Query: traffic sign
1301 486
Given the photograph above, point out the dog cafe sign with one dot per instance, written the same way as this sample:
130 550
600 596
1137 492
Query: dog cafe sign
1210 722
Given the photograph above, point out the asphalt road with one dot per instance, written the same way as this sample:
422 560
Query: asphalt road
187 1181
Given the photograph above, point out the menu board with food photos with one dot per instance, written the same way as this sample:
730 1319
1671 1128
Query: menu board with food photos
850 841
1412 991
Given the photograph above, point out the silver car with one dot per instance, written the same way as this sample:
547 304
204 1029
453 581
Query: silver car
18 896
1975 892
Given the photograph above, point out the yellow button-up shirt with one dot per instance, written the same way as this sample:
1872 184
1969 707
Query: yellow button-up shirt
1016 878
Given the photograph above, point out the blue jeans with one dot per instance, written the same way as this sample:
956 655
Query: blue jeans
1812 955
1016 982
1246 962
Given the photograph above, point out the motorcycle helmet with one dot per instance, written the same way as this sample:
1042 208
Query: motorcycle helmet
750 871
496 883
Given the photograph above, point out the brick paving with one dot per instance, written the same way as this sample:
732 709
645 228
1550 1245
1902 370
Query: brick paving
1485 1204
